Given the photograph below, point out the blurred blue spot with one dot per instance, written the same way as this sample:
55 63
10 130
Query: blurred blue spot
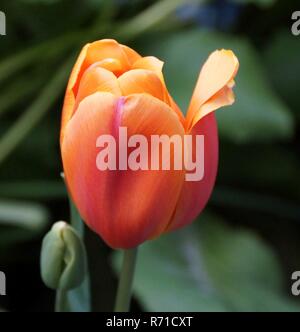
221 14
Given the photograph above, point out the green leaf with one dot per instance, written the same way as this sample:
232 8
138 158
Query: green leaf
274 206
23 214
35 112
257 115
167 279
149 18
16 92
47 2
33 189
20 221
281 59
209 267
243 269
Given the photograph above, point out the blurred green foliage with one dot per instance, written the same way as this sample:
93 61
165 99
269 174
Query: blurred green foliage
210 267
237 257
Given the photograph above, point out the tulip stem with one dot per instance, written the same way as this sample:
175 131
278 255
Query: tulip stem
126 280
60 300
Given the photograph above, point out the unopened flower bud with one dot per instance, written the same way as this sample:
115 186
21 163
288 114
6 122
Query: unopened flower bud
63 257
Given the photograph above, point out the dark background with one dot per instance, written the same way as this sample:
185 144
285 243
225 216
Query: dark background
240 253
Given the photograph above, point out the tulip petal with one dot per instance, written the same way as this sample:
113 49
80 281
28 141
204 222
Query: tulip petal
69 101
170 101
124 207
150 63
214 83
148 198
109 64
97 79
94 117
156 65
224 97
131 54
141 81
106 48
194 195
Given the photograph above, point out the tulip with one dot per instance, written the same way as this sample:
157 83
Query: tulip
112 86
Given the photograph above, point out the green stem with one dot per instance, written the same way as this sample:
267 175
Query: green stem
76 221
126 280
82 294
60 300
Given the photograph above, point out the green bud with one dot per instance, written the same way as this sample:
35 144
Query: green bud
63 258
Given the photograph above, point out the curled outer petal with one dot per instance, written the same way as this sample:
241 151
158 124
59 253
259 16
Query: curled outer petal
125 207
195 194
213 90
63 258
214 86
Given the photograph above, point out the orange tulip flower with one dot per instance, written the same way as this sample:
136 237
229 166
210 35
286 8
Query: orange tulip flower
112 86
